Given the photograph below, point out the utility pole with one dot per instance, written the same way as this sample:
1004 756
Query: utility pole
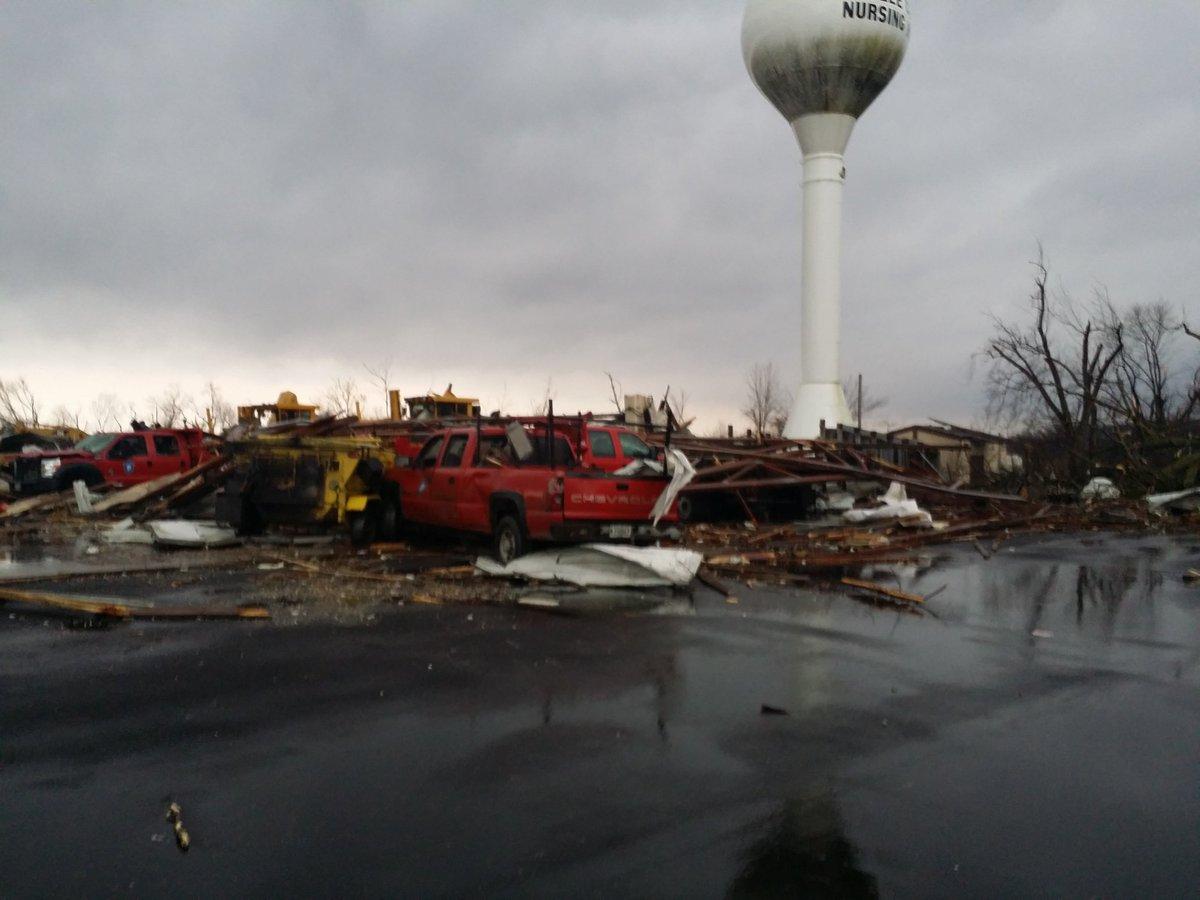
859 404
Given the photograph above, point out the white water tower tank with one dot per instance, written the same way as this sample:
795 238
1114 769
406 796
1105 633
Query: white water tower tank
822 63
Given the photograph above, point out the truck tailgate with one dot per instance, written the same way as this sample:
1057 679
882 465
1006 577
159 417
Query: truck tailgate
605 498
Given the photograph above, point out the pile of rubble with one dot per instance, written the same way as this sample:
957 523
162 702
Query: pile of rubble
870 513
162 497
744 470
829 552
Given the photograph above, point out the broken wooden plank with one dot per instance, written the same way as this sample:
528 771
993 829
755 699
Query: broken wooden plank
712 581
449 571
740 559
767 535
882 590
141 492
209 560
816 561
427 599
201 484
746 507
777 482
334 573
138 492
31 504
120 609
729 469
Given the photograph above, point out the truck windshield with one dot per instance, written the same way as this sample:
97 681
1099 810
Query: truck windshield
94 443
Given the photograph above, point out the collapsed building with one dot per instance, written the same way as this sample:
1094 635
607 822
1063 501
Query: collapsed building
963 455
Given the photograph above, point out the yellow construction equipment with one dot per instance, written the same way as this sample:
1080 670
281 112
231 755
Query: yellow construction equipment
286 409
442 406
310 483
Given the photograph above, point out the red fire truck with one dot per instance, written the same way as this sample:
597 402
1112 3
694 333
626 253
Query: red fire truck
121 460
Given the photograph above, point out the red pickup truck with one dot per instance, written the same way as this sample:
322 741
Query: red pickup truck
477 479
121 460
611 447
596 445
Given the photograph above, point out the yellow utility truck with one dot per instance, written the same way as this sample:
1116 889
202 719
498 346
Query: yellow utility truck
308 484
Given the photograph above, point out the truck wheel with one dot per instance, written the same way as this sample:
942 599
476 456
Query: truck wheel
250 520
685 508
89 475
362 528
508 539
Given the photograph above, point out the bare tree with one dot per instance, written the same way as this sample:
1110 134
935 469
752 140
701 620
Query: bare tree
1145 394
543 407
677 400
343 398
1054 372
18 404
766 402
779 418
106 412
616 392
1194 386
69 418
213 410
380 373
871 402
502 403
170 407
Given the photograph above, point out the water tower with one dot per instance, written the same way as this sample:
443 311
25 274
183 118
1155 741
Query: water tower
822 63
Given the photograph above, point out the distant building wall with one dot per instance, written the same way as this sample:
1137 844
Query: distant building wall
964 455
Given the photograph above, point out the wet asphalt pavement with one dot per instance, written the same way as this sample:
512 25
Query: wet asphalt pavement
1040 736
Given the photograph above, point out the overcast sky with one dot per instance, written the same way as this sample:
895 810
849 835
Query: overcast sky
502 194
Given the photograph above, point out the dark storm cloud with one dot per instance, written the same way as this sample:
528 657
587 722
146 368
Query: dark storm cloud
562 188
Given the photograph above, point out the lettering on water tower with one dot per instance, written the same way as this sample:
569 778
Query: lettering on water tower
886 12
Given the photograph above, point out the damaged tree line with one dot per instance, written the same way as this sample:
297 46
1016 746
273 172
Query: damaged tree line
1092 390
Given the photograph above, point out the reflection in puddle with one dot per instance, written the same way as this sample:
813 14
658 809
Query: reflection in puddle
1116 593
803 851
18 554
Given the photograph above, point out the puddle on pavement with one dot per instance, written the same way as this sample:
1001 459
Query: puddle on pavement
40 560
635 742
